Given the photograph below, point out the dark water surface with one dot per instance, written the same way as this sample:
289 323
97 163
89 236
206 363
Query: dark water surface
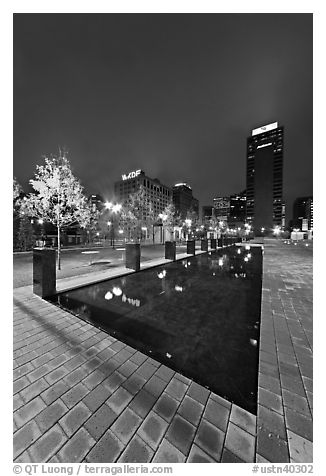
199 316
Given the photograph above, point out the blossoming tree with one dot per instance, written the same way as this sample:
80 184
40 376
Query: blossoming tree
58 197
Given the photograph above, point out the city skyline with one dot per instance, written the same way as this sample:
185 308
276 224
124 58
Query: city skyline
175 95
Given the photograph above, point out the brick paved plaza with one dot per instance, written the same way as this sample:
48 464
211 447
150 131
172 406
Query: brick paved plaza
83 396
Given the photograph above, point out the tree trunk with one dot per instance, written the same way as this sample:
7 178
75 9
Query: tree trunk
59 247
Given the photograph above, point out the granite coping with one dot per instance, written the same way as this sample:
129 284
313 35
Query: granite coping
80 395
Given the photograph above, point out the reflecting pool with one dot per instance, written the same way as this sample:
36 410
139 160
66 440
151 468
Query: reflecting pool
199 316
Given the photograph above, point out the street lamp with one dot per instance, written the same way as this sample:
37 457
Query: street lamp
188 223
276 230
113 208
116 208
40 221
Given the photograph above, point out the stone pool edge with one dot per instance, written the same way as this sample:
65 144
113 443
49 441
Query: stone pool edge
224 432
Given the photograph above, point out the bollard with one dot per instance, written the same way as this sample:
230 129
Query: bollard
133 256
44 272
190 247
204 245
170 250
213 243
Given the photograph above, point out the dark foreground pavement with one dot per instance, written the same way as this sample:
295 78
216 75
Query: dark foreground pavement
81 395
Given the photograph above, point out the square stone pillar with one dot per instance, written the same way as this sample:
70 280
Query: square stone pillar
133 256
44 272
204 245
190 247
170 250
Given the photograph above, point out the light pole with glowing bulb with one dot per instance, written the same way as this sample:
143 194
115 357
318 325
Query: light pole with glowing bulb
113 208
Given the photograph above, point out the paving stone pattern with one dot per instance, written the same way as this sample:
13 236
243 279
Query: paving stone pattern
80 395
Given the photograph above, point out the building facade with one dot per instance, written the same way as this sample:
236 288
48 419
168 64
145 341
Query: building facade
303 213
207 213
96 201
237 214
265 178
183 200
160 195
222 208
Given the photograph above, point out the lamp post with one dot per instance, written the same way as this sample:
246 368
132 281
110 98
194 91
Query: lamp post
109 230
163 217
113 208
41 222
188 223
277 231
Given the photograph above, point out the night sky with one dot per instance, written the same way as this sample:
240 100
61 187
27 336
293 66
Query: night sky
173 94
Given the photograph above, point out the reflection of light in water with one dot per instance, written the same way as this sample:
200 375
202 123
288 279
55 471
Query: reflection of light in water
220 262
178 288
247 247
133 302
189 263
168 355
307 244
161 274
239 251
214 274
117 291
108 295
246 258
249 255
253 342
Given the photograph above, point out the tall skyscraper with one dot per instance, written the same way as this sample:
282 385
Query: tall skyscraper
265 178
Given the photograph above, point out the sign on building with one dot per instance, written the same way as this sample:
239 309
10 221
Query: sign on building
131 175
266 128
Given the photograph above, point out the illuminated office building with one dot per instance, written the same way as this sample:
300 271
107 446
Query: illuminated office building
160 195
265 178
303 213
237 215
222 208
